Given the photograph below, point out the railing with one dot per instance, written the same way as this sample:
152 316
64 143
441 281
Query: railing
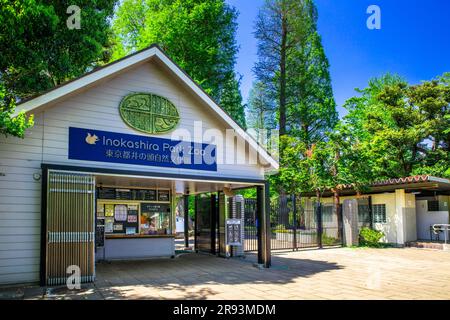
442 227
294 225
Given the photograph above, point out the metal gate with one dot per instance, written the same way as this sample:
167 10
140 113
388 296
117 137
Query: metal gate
295 223
205 223
364 212
331 224
70 226
250 225
306 228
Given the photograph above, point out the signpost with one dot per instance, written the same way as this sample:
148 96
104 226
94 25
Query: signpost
233 232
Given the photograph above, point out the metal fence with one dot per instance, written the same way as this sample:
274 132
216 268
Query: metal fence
250 226
295 224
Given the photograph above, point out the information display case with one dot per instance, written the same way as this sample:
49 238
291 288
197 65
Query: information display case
134 212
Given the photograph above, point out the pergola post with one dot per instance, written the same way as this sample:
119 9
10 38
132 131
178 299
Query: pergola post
213 223
263 224
186 220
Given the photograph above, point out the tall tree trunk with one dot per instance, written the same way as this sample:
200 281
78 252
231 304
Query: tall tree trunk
336 195
339 216
282 98
282 101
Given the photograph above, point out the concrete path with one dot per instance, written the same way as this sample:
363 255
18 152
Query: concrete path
315 274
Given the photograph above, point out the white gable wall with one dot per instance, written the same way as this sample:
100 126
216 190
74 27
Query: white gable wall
47 142
97 108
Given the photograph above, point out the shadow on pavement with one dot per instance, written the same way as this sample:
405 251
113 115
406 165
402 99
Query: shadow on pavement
188 276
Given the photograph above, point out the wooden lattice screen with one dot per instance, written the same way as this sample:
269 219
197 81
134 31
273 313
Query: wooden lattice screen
70 226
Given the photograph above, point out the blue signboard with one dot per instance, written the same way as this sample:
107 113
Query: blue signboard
104 146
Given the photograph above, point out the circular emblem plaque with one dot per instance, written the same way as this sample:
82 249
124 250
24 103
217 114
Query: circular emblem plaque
149 113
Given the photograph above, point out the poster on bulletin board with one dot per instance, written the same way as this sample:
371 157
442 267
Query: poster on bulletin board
120 212
109 210
109 222
118 227
163 195
132 219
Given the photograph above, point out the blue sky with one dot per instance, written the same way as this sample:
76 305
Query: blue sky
414 41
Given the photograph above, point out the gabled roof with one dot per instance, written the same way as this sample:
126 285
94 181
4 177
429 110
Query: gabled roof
146 54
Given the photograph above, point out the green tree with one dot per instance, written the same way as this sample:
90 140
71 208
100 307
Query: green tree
306 169
294 175
293 67
311 106
392 130
231 100
11 124
400 129
260 110
38 51
199 35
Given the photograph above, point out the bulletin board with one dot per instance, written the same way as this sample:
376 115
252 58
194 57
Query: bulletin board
121 218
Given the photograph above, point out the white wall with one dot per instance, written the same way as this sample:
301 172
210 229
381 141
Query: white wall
98 108
47 142
390 227
20 207
397 227
139 248
426 218
409 218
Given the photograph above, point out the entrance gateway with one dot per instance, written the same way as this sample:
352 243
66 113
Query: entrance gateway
94 215
110 159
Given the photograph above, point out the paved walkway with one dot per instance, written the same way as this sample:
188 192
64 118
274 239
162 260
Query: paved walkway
315 274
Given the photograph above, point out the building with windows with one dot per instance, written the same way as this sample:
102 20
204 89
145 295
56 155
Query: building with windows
110 156
404 209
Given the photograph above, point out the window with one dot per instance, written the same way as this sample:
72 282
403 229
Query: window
363 213
433 205
327 213
134 212
155 219
379 213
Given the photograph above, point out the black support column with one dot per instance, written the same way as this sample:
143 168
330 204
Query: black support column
319 224
186 220
263 225
213 223
196 224
43 258
369 203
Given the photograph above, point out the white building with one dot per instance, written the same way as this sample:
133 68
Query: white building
404 209
98 161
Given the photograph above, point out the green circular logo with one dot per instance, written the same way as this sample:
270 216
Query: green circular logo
149 113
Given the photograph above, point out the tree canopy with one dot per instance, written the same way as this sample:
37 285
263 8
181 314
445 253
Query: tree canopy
292 70
293 67
38 51
392 129
199 35
402 128
261 110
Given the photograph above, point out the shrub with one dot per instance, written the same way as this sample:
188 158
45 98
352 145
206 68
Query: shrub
329 241
370 238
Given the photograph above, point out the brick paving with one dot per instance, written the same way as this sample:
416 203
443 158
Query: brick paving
341 273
